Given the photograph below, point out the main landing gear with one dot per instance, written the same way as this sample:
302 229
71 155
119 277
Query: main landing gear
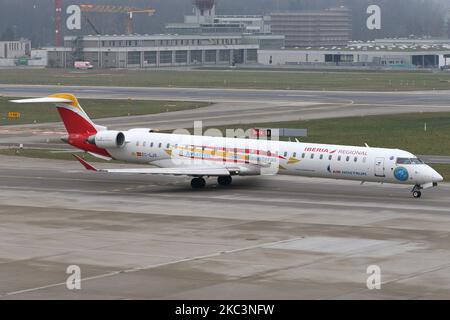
224 180
416 191
198 183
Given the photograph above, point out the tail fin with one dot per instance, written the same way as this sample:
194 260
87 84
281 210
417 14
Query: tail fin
73 116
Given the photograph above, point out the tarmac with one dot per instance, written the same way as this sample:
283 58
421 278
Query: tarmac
147 237
140 237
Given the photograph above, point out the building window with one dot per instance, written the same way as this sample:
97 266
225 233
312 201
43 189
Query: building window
134 58
210 56
181 56
165 57
224 55
150 57
252 55
196 56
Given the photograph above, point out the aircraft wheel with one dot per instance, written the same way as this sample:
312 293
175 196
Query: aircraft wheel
417 194
224 180
198 183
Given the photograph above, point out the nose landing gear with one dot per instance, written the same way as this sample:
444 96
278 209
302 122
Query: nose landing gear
417 194
416 191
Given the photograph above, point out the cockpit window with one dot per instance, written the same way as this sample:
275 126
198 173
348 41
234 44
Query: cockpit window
403 161
409 161
416 161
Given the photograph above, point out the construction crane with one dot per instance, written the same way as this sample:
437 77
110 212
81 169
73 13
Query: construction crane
58 23
129 11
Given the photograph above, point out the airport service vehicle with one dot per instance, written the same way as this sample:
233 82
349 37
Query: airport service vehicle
207 156
83 65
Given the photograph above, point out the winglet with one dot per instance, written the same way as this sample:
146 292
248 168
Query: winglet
85 163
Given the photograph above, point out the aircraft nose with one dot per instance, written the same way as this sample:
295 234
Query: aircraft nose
438 178
435 176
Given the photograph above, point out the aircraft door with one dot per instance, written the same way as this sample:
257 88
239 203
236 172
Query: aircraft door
379 167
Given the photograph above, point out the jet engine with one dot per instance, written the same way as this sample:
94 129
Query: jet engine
107 139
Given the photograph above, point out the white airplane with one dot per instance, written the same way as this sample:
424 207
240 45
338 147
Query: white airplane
205 156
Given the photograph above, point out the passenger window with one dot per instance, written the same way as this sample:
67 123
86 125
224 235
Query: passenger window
339 158
168 146
303 156
159 145
321 156
285 154
330 157
312 155
295 154
356 159
137 143
151 145
144 143
347 159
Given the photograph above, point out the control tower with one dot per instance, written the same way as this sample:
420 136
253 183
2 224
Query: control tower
204 12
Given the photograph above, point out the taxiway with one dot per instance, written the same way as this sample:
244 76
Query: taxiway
261 238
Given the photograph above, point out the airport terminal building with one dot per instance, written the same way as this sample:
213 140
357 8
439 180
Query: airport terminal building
330 27
152 51
384 53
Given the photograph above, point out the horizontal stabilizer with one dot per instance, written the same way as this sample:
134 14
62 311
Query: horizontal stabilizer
43 100
85 164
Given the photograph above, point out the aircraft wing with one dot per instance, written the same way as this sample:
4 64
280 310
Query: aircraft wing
189 171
